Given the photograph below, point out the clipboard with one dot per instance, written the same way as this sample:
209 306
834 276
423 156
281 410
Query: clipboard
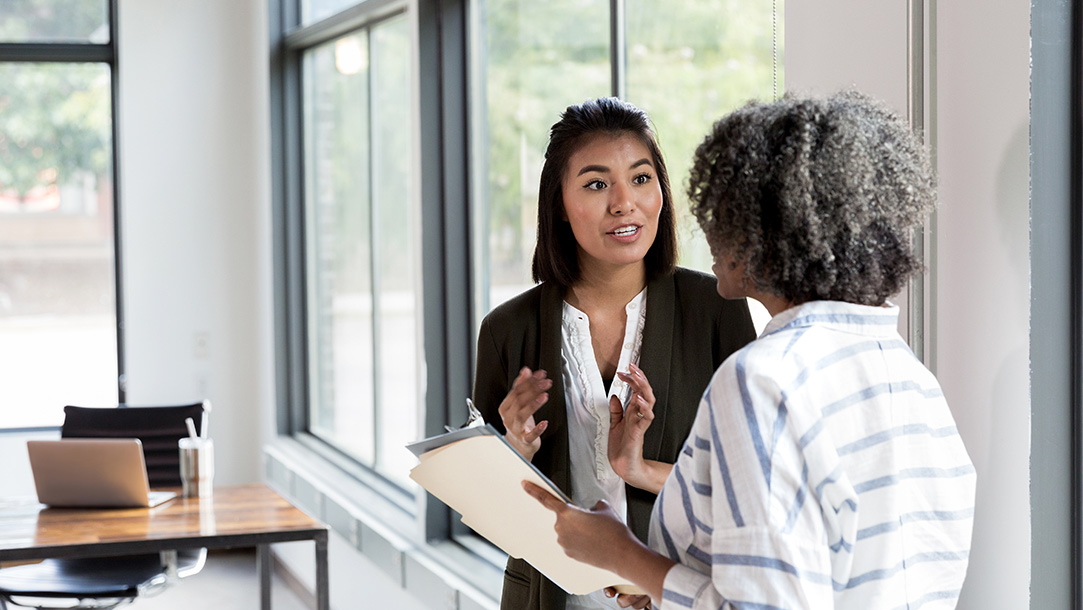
476 472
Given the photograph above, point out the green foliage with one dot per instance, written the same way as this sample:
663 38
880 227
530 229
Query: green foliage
55 121
54 20
689 66
688 63
539 57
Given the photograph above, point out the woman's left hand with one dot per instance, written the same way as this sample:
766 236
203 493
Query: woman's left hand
627 428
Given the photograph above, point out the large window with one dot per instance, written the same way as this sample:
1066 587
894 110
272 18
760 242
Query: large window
350 263
356 230
58 295
686 62
409 143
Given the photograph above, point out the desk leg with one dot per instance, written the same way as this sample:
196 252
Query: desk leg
323 595
263 565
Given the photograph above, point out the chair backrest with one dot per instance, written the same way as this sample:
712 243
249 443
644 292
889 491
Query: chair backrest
158 428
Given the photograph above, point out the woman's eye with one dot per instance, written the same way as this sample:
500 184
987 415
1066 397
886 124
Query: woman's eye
595 185
642 179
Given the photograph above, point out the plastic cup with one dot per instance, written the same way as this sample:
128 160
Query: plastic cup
196 466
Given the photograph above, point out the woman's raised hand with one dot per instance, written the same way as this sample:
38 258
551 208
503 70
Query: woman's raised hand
528 393
627 427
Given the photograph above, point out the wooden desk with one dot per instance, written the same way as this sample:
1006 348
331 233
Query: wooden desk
239 516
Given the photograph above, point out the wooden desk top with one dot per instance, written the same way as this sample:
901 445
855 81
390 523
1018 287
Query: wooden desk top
234 516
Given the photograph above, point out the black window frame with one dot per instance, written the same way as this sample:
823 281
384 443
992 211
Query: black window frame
1056 301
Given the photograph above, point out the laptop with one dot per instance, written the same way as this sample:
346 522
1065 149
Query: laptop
92 472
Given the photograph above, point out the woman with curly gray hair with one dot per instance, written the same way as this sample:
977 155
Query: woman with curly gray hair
824 469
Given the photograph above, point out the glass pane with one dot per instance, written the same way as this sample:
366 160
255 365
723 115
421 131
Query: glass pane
314 10
338 244
57 271
531 60
54 21
397 246
718 54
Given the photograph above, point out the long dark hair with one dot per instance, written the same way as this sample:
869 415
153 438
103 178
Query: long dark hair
556 258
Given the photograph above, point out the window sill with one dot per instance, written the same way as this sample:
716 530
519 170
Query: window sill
442 574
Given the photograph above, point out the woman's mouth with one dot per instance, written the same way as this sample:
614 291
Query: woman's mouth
625 231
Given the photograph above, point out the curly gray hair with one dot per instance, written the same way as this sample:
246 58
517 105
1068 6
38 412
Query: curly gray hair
818 196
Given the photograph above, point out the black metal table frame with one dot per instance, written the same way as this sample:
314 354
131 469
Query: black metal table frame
260 540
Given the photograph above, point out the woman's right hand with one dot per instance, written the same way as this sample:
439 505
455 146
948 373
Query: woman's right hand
528 393
600 538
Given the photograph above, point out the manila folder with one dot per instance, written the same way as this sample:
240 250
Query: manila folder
481 477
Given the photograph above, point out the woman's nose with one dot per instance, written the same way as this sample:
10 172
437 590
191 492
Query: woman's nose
622 201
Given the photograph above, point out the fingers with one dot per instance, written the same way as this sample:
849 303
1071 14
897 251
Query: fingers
616 410
639 413
637 380
644 413
629 601
547 499
641 401
624 601
528 393
532 434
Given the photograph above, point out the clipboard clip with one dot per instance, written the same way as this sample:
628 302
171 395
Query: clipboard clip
473 418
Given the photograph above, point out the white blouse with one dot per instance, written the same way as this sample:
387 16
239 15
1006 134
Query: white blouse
592 477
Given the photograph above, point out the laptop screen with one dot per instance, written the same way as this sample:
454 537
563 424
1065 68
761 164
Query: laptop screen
86 472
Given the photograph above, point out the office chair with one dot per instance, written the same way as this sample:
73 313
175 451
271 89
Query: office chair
108 582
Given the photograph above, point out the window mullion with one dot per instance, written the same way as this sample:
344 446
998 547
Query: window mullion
618 58
118 293
374 246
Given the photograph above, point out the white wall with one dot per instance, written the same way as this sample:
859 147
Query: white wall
838 44
195 216
983 291
980 300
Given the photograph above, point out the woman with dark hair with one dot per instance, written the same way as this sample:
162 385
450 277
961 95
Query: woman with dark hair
824 469
595 373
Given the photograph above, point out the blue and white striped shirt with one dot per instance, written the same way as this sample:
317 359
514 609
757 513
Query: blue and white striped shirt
824 470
